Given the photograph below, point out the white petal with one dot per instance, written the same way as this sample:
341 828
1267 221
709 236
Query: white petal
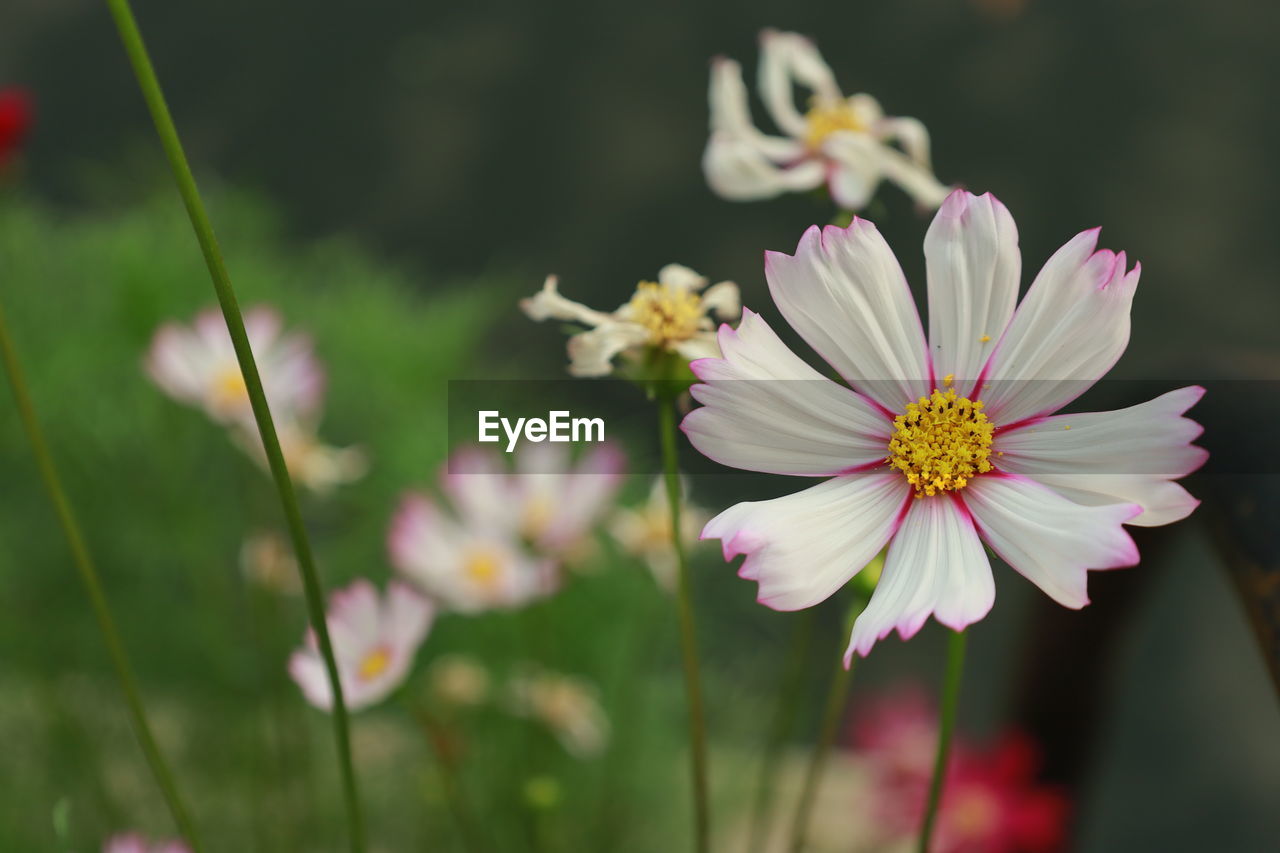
681 277
1048 539
723 301
935 565
787 59
764 409
853 172
845 294
731 115
912 178
591 353
910 133
548 304
803 547
1125 456
701 345
738 170
974 266
1070 329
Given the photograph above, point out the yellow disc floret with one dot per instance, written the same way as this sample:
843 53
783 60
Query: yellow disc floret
941 442
374 664
671 314
822 121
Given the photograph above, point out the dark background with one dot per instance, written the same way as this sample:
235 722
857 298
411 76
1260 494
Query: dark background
524 138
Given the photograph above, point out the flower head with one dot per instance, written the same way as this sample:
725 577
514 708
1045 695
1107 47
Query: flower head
459 681
134 843
313 463
375 638
567 705
938 445
267 560
15 122
197 365
672 314
645 531
845 142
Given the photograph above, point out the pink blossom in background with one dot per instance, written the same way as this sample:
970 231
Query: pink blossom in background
134 843
375 638
16 116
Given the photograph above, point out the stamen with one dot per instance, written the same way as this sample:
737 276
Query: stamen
941 443
671 314
824 120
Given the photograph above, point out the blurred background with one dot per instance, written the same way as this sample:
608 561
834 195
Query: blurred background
393 176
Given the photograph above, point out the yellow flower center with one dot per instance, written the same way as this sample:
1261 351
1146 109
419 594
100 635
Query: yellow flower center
941 442
824 120
374 664
483 567
229 391
671 314
539 512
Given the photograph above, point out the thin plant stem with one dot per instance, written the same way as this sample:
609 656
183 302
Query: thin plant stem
93 586
950 700
203 227
790 693
688 631
832 713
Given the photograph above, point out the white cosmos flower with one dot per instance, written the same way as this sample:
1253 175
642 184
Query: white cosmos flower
465 566
318 466
844 142
567 705
672 314
548 500
945 442
645 531
197 365
135 843
375 638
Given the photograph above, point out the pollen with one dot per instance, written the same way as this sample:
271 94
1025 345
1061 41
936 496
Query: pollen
822 121
671 314
985 339
941 443
374 664
483 567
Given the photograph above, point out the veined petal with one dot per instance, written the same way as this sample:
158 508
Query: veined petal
1070 329
827 428
844 292
803 547
974 266
737 169
1048 539
935 565
785 59
1125 456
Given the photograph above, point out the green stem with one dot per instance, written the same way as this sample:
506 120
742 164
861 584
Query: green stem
93 586
688 633
832 713
790 692
168 133
950 699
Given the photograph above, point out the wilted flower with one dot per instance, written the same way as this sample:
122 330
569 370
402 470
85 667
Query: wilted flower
465 567
844 142
134 843
673 314
944 443
567 705
15 122
459 680
549 501
267 560
197 365
375 638
645 531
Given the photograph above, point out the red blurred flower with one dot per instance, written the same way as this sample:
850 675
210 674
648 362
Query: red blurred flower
15 120
992 801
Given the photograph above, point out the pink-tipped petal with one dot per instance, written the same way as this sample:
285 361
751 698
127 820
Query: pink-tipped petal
1048 539
801 548
844 292
827 428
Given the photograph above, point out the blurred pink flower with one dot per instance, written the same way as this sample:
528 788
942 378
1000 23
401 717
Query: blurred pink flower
197 365
134 843
463 565
375 638
15 122
567 705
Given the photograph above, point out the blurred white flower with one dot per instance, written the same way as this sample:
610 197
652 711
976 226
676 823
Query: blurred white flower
267 560
197 365
375 638
645 531
459 680
316 465
844 142
134 843
549 501
567 705
672 314
465 566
